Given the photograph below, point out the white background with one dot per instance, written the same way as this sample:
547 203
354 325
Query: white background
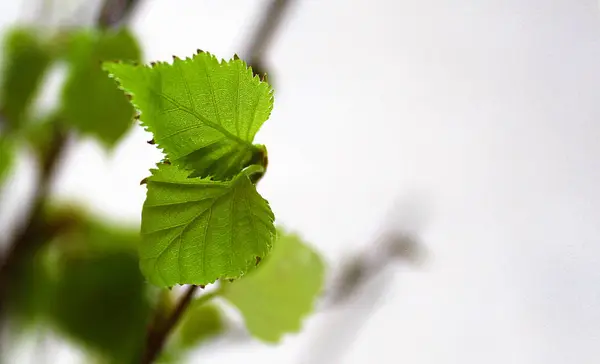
487 110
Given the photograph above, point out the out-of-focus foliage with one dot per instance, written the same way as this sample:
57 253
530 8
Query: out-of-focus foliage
26 57
31 301
39 134
91 102
100 301
276 296
6 156
197 230
202 112
87 285
200 322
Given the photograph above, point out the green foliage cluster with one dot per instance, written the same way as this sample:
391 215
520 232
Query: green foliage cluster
203 220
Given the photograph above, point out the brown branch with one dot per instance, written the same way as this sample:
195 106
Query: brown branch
159 332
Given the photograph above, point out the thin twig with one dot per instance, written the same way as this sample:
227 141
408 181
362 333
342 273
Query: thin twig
159 332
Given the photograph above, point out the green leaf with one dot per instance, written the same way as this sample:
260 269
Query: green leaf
91 102
196 230
276 296
101 303
39 134
97 296
6 156
31 293
26 59
202 112
200 322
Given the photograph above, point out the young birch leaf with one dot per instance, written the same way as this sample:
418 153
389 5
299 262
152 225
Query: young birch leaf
91 102
276 296
25 62
203 113
196 230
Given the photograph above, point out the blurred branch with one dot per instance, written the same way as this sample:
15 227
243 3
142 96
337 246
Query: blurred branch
356 291
360 269
262 38
35 232
116 12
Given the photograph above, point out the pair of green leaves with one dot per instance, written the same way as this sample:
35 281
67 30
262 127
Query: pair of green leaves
203 218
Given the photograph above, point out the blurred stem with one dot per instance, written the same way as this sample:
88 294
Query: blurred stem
159 331
35 232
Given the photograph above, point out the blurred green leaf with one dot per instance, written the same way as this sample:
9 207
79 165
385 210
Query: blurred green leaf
29 301
101 303
27 56
201 321
276 296
39 134
91 102
86 284
6 157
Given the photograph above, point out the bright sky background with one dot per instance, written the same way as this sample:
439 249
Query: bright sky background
487 110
